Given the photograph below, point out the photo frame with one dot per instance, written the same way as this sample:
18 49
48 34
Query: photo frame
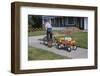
19 37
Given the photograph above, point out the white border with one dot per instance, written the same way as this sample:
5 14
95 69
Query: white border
25 64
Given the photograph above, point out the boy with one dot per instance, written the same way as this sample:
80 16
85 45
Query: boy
48 27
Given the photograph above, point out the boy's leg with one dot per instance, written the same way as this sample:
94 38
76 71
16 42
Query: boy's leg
50 35
47 35
49 40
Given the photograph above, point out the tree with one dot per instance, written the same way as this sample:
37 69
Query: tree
35 21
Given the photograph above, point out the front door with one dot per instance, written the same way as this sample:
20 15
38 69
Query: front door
80 23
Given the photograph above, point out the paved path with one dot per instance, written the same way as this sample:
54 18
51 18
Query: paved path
79 53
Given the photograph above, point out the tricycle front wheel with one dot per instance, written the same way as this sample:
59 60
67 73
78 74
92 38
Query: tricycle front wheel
50 44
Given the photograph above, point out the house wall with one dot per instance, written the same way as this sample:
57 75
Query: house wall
86 23
63 22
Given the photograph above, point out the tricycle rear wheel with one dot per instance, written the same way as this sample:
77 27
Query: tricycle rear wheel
69 49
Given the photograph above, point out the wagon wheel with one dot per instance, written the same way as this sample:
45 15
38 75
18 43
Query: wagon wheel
74 47
68 49
58 45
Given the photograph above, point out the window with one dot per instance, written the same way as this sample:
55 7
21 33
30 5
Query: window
70 20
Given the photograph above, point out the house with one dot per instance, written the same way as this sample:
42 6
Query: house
59 22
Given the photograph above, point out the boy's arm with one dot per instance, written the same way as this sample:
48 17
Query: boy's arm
45 26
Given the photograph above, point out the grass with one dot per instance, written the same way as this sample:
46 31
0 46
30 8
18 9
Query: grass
36 33
81 39
40 54
42 32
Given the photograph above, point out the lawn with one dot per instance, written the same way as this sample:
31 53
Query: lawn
42 32
40 54
81 39
36 33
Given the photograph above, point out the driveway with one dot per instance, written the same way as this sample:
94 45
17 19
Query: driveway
79 53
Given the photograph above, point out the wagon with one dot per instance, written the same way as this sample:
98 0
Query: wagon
67 43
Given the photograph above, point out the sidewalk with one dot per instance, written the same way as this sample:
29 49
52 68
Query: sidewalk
79 53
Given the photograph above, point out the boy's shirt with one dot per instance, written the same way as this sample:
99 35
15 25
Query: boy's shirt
48 25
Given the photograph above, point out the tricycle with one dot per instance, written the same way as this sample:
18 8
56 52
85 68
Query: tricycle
49 43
